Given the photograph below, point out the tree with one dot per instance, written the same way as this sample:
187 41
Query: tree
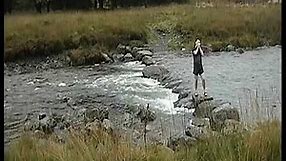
101 4
38 5
8 5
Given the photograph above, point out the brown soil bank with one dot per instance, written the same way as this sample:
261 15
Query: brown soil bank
41 35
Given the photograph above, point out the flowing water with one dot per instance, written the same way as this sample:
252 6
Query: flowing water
228 76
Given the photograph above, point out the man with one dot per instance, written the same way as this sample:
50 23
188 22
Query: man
197 66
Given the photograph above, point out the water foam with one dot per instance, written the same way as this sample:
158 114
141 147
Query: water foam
131 87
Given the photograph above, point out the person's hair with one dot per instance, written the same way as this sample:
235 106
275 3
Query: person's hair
197 39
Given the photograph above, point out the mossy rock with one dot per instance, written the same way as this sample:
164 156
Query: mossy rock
86 57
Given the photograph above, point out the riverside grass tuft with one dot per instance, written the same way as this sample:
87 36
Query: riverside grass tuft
263 143
29 35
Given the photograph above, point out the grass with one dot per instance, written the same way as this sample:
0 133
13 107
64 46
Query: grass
263 143
36 35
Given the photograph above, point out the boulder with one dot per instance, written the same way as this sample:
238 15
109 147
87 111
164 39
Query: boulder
118 57
47 125
128 57
29 126
201 122
93 113
147 60
222 113
41 115
204 109
180 140
232 126
145 114
141 53
136 49
122 49
230 48
39 134
129 120
183 94
107 59
155 72
197 132
108 126
173 83
240 50
93 126
206 49
184 103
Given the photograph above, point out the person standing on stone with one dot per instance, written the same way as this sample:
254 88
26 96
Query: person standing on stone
197 66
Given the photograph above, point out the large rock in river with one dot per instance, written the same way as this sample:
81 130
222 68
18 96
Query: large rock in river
155 72
222 113
140 54
147 60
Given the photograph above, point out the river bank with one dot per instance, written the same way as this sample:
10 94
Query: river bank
53 34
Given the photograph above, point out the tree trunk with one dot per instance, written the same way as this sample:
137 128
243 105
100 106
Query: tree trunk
95 4
101 4
114 4
145 3
48 5
38 6
8 5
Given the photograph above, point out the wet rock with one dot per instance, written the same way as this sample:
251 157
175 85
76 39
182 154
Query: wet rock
240 50
155 72
118 57
197 132
47 125
136 49
184 103
206 49
107 59
180 140
147 60
173 83
148 128
233 126
39 134
222 113
230 48
201 122
145 114
183 94
93 113
205 109
96 125
28 125
128 57
108 126
129 120
122 49
41 116
140 54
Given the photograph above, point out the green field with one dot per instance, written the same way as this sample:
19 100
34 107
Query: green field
35 34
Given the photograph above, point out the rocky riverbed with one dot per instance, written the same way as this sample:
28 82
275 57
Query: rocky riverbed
51 94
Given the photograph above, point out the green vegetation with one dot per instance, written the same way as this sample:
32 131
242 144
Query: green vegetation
34 35
263 143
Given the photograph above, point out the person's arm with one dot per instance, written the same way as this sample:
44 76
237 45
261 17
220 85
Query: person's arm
201 51
195 50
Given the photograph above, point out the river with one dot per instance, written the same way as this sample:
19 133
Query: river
230 76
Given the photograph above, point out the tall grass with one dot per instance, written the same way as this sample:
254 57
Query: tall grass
263 144
30 35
